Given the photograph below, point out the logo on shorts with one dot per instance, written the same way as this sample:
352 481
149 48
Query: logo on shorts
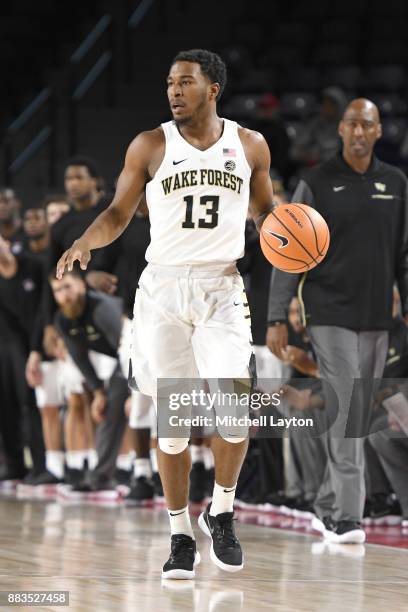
230 165
284 241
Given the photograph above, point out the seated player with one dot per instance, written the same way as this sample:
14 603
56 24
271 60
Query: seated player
88 322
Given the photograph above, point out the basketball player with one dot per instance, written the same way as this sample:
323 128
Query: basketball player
200 173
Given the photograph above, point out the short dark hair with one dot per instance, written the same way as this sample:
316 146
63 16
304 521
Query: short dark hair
211 65
54 197
75 272
81 160
3 191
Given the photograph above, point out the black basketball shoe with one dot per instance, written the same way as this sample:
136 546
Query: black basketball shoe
226 550
157 485
183 558
141 490
46 478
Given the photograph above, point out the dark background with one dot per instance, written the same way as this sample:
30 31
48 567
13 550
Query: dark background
289 49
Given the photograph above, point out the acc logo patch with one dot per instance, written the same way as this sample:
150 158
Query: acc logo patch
230 165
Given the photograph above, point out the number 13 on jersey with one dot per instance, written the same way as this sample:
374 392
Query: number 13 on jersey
210 220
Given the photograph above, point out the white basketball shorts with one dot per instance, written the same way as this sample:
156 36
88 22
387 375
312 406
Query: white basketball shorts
71 378
49 393
190 322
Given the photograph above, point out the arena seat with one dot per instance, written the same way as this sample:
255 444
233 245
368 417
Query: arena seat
242 105
394 130
307 78
390 52
390 78
347 77
292 32
281 56
334 54
389 105
298 105
339 31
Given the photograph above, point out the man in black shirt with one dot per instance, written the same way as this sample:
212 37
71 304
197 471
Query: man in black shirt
20 293
36 230
91 321
81 185
347 302
42 373
10 220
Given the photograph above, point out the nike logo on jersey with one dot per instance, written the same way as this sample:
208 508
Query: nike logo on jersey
283 239
179 162
340 188
236 303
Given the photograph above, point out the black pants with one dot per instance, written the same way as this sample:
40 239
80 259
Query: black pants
109 433
20 420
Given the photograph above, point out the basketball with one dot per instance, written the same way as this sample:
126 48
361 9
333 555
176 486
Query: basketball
294 238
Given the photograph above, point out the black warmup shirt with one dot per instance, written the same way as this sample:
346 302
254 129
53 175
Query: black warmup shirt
20 298
63 233
38 331
368 223
256 270
18 241
131 261
98 329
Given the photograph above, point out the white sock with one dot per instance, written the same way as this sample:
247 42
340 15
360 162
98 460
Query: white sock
92 457
54 462
153 460
124 462
180 522
142 467
222 499
197 453
208 458
75 459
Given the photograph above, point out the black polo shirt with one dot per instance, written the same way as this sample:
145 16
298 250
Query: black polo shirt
20 298
368 223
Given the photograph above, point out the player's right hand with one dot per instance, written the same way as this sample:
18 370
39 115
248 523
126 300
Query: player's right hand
102 281
50 340
79 251
33 369
277 339
98 406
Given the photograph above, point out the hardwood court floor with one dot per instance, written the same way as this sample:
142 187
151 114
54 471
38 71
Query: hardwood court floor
110 558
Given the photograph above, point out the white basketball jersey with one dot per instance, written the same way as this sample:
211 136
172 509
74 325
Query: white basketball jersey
198 200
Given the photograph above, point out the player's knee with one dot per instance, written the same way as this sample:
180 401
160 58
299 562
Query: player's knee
173 446
233 440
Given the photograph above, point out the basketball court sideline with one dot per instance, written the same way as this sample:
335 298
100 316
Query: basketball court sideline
112 556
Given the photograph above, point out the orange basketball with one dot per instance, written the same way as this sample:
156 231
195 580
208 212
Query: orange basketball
294 238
